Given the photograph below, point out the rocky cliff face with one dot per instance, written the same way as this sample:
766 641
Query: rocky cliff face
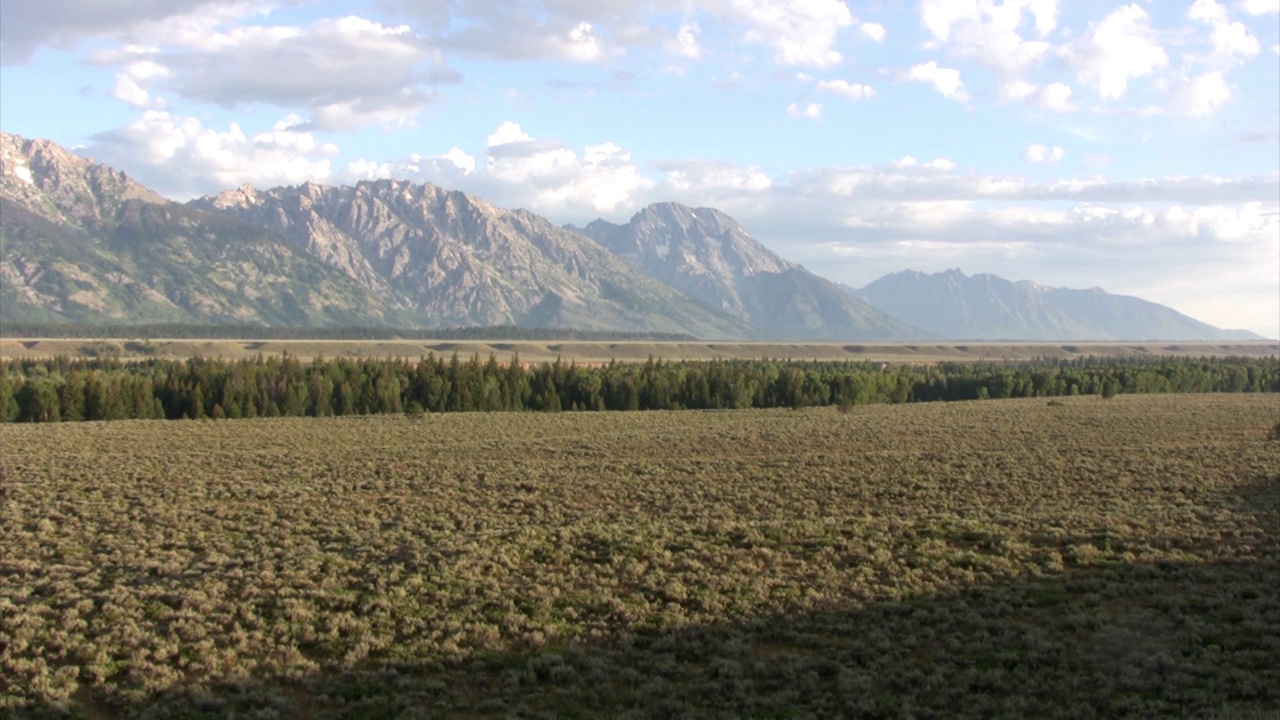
84 243
453 259
62 187
706 254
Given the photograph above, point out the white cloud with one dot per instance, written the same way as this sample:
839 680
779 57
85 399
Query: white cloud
25 26
180 158
709 182
802 32
945 80
1233 39
1260 7
1054 96
1230 39
1119 48
129 85
991 32
348 72
1208 11
554 29
853 91
582 43
812 111
450 168
553 177
1042 154
686 41
875 31
128 90
1019 90
1202 94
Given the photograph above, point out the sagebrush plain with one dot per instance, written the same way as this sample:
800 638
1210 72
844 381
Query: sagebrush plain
1073 558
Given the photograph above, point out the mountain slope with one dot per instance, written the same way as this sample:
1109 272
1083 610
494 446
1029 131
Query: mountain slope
84 243
987 307
707 255
452 259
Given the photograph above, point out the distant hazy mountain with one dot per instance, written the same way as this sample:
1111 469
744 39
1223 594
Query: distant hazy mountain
707 255
452 259
986 307
84 243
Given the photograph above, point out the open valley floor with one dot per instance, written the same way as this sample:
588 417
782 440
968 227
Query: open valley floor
1072 558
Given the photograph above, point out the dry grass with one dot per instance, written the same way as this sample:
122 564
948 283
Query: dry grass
983 559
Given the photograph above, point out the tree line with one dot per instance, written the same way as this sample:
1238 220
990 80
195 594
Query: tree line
66 389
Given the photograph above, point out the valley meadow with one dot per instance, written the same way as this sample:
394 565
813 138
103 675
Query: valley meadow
1066 558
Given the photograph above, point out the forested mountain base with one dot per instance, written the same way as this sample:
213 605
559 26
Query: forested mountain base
63 389
1012 559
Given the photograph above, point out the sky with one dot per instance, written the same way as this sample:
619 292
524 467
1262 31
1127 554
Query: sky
1133 146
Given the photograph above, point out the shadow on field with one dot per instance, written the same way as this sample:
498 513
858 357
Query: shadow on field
1180 639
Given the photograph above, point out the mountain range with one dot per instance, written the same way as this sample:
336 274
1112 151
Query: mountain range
705 254
986 307
84 243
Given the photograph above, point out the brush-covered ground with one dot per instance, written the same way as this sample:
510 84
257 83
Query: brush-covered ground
1073 558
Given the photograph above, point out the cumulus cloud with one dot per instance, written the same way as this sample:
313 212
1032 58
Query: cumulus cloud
992 32
1121 47
520 170
721 179
1260 7
575 32
945 80
1055 96
812 111
449 169
844 88
348 72
1230 39
802 32
686 41
126 88
1202 94
25 26
875 31
181 158
552 176
1042 154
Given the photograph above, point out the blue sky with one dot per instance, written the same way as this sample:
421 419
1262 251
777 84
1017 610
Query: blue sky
1133 146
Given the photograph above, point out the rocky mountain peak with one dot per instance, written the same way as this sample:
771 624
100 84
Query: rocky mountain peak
242 197
706 254
69 188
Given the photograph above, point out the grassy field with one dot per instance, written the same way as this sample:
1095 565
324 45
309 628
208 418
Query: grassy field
603 352
1074 558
